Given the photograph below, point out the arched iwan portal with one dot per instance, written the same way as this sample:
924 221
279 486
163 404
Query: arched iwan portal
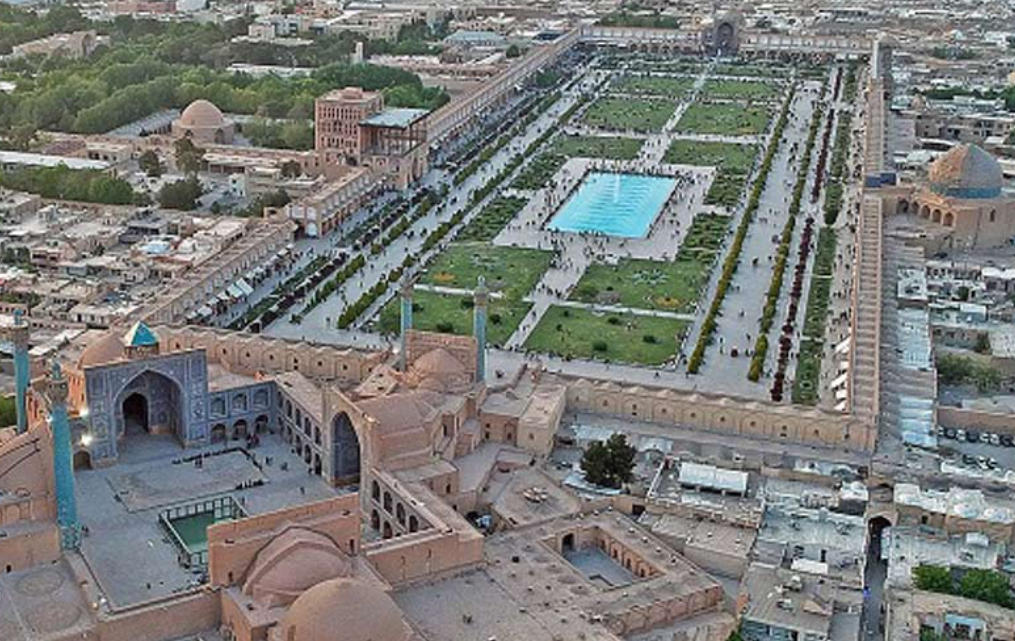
345 451
151 403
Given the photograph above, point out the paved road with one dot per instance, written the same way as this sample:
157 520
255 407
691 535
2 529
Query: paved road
875 572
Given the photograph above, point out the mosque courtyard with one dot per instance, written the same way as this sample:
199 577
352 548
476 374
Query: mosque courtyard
132 556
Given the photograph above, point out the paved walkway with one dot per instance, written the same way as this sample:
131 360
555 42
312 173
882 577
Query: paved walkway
319 324
737 326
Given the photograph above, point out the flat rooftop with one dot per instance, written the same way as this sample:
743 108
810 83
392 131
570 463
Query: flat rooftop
395 118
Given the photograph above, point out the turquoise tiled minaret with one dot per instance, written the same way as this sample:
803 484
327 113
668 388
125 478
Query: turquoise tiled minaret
19 336
479 297
406 318
63 462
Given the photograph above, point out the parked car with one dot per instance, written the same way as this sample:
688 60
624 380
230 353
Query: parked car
985 438
968 459
995 439
960 434
950 432
972 436
1007 440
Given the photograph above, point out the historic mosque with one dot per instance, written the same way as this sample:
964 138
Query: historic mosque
961 204
171 481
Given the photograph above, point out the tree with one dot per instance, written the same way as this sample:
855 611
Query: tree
982 343
150 164
188 155
933 578
8 413
986 585
291 169
182 194
513 51
609 464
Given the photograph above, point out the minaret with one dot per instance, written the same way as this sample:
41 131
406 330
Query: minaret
19 335
63 464
406 294
479 297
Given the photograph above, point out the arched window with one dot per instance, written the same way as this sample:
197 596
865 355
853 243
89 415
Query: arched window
387 501
375 490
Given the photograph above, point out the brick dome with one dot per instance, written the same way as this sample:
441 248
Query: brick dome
202 113
346 609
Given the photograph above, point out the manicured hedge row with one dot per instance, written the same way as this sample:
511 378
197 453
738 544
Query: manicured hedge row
782 253
491 150
363 303
808 370
729 267
337 280
833 193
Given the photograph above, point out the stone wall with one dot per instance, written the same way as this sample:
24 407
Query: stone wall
253 354
170 618
721 414
232 545
976 419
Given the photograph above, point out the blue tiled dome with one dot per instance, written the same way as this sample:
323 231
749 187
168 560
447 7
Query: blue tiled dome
966 171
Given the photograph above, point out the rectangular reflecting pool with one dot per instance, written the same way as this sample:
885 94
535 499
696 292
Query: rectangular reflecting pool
615 204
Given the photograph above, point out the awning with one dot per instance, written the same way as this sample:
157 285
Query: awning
204 310
223 297
244 287
234 291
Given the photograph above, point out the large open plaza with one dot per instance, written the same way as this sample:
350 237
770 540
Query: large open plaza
653 198
590 322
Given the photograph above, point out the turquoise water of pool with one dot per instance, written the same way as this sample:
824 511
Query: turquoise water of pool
615 204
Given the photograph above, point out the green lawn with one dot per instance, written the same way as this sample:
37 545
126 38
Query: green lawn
538 172
740 90
452 314
513 271
625 338
667 86
491 219
759 70
733 160
724 118
598 147
642 115
652 284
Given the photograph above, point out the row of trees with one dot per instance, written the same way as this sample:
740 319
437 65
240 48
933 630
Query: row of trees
158 66
989 586
293 134
18 26
64 183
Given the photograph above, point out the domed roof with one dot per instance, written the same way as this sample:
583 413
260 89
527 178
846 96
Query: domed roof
291 563
202 113
105 349
437 362
439 371
345 609
966 171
